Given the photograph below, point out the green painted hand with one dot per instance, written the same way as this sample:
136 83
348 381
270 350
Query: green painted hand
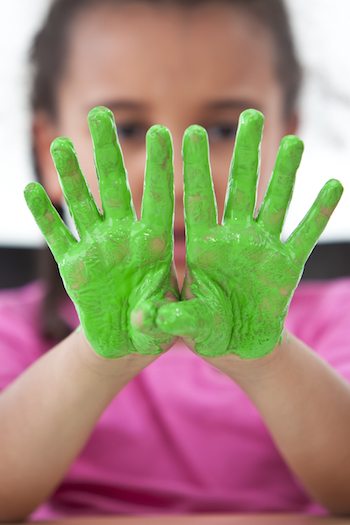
240 276
120 271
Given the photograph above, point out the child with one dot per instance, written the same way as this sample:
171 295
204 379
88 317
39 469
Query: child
174 431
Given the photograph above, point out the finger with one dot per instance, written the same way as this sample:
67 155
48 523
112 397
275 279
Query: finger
199 199
58 237
80 202
143 317
144 330
305 236
184 318
113 181
244 169
158 195
279 193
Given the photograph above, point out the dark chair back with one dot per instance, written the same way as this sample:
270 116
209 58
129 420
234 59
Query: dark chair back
328 261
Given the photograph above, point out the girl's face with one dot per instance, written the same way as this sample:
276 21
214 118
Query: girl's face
167 66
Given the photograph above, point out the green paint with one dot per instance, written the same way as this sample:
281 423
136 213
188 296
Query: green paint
120 275
241 277
120 271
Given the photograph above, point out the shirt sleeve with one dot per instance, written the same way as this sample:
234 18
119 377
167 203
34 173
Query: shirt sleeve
20 344
334 345
326 324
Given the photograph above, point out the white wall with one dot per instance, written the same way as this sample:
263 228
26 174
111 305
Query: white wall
19 18
323 38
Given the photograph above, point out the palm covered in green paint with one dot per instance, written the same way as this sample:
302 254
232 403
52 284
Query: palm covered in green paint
121 270
240 276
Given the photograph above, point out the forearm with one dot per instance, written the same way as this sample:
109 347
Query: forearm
47 415
306 406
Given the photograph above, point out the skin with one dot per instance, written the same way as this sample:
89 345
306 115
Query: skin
241 277
120 270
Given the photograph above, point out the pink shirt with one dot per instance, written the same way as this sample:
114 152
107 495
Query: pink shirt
181 437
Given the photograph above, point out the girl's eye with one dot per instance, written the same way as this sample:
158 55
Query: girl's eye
131 131
222 131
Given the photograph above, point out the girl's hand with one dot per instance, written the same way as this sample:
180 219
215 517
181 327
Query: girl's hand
120 271
240 276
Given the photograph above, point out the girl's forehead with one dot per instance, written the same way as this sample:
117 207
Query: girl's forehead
140 48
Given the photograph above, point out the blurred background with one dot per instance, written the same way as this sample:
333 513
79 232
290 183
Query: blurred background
323 38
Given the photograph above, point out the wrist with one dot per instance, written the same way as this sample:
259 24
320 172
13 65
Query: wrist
245 371
129 364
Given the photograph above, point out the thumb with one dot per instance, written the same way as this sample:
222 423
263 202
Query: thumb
185 318
143 317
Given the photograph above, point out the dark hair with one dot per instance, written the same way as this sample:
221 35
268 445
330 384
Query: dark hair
47 58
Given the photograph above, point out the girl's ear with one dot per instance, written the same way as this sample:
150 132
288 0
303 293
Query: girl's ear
44 132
